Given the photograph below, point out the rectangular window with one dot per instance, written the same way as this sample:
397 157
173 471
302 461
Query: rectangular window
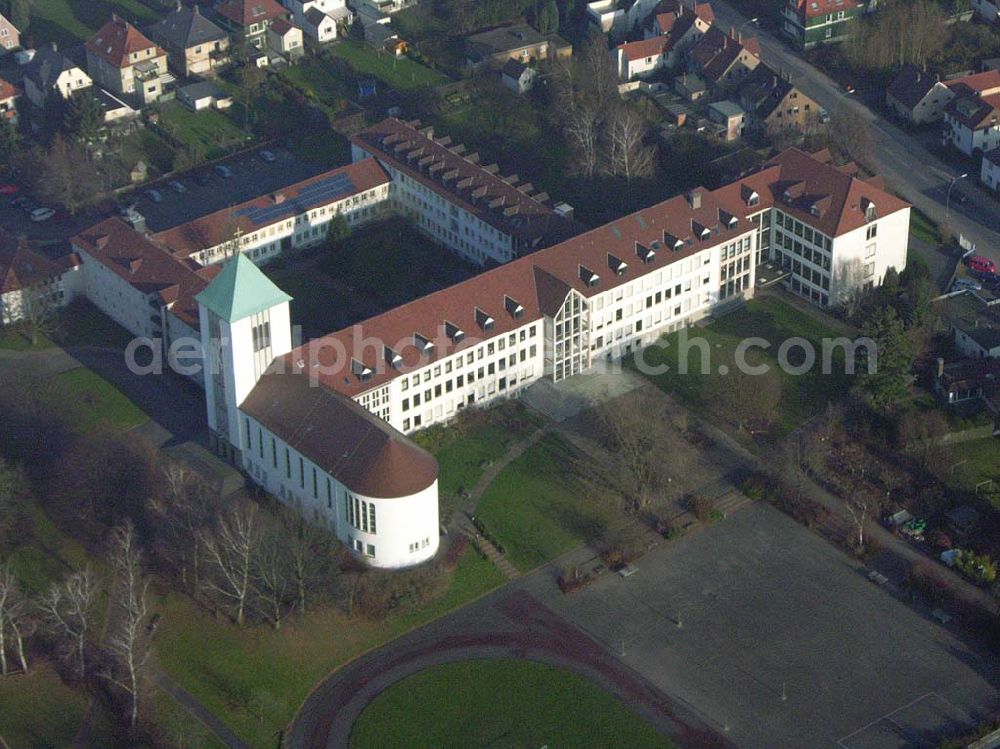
364 516
371 517
288 464
302 473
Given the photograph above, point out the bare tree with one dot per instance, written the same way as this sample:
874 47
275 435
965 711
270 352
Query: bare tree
273 574
128 641
183 513
230 548
583 129
860 505
66 607
311 552
921 433
637 431
64 174
38 312
628 154
851 136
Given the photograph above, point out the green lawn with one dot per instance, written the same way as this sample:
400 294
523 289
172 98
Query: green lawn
255 679
400 73
90 400
209 132
46 555
541 505
317 79
69 22
39 711
922 227
13 339
467 446
982 463
767 317
500 703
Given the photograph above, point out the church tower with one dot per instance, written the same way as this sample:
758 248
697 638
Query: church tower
245 325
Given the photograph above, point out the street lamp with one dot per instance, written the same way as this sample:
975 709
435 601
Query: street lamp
947 202
747 23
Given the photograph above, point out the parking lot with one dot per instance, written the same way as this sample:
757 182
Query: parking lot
777 639
205 190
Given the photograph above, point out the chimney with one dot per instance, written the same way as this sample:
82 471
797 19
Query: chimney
694 199
940 363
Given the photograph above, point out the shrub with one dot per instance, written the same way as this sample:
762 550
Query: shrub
704 507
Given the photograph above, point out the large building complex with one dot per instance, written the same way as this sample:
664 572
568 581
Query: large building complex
322 424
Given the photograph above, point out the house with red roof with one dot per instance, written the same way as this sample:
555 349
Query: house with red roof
670 34
921 97
247 21
972 121
723 60
9 94
123 60
10 37
811 22
30 282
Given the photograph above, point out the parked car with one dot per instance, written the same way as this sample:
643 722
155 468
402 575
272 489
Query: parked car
223 171
9 189
42 214
21 202
178 187
267 156
154 195
824 116
981 264
966 283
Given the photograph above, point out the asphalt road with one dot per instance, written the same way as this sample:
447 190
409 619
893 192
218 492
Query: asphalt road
918 175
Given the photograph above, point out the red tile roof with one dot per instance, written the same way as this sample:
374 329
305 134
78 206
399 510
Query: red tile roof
216 228
450 171
361 451
814 8
540 282
21 267
280 26
8 90
982 83
247 12
117 41
145 265
644 48
716 52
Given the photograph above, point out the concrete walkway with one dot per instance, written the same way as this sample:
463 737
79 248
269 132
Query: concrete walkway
198 711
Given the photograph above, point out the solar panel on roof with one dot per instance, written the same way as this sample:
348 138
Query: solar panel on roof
318 193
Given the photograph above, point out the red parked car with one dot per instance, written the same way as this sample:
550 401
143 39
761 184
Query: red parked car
981 264
9 189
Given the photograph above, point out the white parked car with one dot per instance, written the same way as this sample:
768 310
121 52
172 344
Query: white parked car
42 214
966 283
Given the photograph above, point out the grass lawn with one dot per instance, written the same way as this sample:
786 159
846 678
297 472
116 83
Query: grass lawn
400 73
769 318
91 400
209 132
500 703
69 22
12 339
256 678
541 505
922 227
468 445
318 79
982 463
39 711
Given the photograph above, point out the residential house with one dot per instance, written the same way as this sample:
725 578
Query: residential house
811 22
515 42
10 37
730 118
773 104
9 94
517 76
322 21
918 96
972 121
195 45
203 95
376 11
112 108
989 171
974 323
50 70
606 17
968 380
121 59
723 60
667 38
30 281
285 38
247 21
691 86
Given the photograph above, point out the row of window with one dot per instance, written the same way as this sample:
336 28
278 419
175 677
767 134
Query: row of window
804 231
359 513
467 379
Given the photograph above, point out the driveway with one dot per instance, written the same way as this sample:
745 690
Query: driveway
917 174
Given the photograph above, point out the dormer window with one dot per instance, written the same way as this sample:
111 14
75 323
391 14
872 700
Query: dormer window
728 219
513 307
454 333
589 277
423 343
674 243
617 265
361 371
483 320
871 213
393 359
702 232
749 195
645 254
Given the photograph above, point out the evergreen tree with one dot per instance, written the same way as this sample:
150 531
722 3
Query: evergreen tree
83 117
884 377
